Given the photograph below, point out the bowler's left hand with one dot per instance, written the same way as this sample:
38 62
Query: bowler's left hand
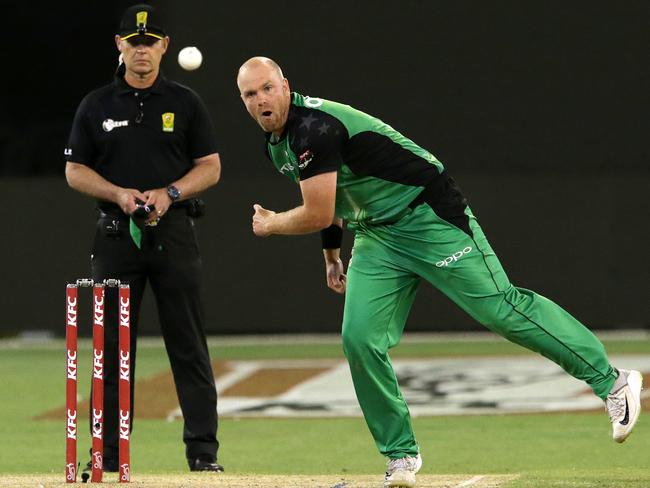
335 275
261 221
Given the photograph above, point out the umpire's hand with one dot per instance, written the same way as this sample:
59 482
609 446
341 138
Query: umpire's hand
160 199
128 199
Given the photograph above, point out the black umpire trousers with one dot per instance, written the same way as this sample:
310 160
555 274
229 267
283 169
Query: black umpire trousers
170 260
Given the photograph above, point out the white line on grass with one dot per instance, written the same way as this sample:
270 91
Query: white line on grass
470 481
44 340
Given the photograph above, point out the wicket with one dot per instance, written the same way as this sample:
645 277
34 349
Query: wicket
97 401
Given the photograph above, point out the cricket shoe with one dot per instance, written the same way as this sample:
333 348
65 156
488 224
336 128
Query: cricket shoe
624 404
401 472
108 466
203 464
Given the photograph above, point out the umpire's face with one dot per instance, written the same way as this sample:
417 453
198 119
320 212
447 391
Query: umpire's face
142 54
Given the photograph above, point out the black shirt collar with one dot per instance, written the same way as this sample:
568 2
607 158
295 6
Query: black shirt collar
123 87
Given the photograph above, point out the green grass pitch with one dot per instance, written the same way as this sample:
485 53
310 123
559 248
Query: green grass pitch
554 450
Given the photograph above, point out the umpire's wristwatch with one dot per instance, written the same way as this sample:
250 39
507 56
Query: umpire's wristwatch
173 192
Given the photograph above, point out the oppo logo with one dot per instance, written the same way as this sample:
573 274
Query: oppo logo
453 258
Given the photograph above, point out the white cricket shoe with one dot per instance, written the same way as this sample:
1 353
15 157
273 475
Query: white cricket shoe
624 404
401 472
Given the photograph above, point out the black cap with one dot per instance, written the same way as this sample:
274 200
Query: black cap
141 20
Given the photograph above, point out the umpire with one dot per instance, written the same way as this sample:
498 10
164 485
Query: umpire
143 146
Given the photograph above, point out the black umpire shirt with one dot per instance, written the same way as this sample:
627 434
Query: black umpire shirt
142 139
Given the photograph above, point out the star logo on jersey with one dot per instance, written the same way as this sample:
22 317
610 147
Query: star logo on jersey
322 130
305 158
307 121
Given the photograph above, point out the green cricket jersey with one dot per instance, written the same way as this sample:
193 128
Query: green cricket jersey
384 178
380 172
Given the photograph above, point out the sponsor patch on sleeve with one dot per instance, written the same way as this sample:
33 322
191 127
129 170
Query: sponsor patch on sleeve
305 158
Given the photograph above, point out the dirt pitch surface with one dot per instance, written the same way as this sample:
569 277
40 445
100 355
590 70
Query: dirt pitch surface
260 481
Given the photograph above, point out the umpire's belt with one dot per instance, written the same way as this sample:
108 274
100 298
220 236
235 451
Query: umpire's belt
117 214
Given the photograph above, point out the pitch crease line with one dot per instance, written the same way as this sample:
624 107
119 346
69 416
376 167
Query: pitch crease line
470 481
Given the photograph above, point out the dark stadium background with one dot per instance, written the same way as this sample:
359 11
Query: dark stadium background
539 109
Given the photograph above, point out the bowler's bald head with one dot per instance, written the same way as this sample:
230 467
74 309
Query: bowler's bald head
258 62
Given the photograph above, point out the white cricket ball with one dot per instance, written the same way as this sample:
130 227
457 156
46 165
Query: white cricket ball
190 58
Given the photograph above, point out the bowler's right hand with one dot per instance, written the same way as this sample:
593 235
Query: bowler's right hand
261 219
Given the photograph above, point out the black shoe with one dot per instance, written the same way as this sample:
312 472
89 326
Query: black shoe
109 466
199 464
85 474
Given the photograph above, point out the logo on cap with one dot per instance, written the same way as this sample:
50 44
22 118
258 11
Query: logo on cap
168 122
141 18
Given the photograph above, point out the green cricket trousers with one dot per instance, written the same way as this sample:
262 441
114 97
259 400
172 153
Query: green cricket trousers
387 264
